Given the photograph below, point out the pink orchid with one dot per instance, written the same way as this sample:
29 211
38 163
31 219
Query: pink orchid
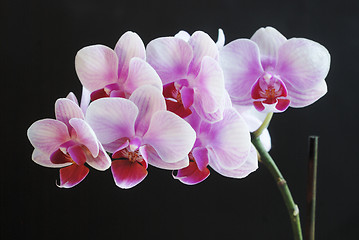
138 131
67 142
273 73
191 75
224 145
115 73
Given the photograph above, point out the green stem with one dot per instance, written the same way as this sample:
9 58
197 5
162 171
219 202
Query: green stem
293 209
264 125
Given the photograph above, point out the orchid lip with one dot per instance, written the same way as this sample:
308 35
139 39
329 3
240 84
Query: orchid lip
270 90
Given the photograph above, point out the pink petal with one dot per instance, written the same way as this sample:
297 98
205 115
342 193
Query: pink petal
183 35
77 154
72 175
128 46
101 162
127 174
85 135
302 63
170 136
96 66
229 139
141 73
47 135
200 154
249 166
268 40
60 158
187 95
112 118
148 100
202 45
191 175
85 99
43 159
65 109
170 57
304 98
155 160
72 97
240 61
209 85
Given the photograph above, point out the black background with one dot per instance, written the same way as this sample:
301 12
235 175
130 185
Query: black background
38 45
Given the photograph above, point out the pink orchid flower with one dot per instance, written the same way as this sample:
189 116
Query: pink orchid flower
191 75
225 146
273 73
115 73
140 131
67 142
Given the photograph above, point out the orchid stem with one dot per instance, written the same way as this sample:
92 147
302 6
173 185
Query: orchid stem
292 208
264 125
311 188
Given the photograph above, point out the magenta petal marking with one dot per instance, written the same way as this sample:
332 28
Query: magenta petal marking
191 175
117 153
127 174
77 154
58 157
72 175
259 105
187 96
100 93
282 104
200 155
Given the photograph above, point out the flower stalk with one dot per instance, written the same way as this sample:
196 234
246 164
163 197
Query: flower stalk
268 161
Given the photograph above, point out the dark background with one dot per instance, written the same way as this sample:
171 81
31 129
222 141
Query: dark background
38 45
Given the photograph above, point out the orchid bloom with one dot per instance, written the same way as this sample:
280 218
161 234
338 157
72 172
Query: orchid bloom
115 73
191 75
224 145
67 142
140 131
273 73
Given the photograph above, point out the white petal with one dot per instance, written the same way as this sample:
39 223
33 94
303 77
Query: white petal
43 159
96 66
170 136
112 118
65 109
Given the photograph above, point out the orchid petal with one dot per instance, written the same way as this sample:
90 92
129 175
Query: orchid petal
202 45
85 99
155 160
183 35
65 109
249 166
96 66
209 85
72 97
128 46
302 63
191 175
141 73
112 118
230 140
47 135
77 154
170 57
268 40
43 159
148 100
85 135
170 136
72 175
221 39
127 174
200 154
240 61
101 162
304 98
187 95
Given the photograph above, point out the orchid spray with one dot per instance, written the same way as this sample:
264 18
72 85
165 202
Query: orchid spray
183 103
